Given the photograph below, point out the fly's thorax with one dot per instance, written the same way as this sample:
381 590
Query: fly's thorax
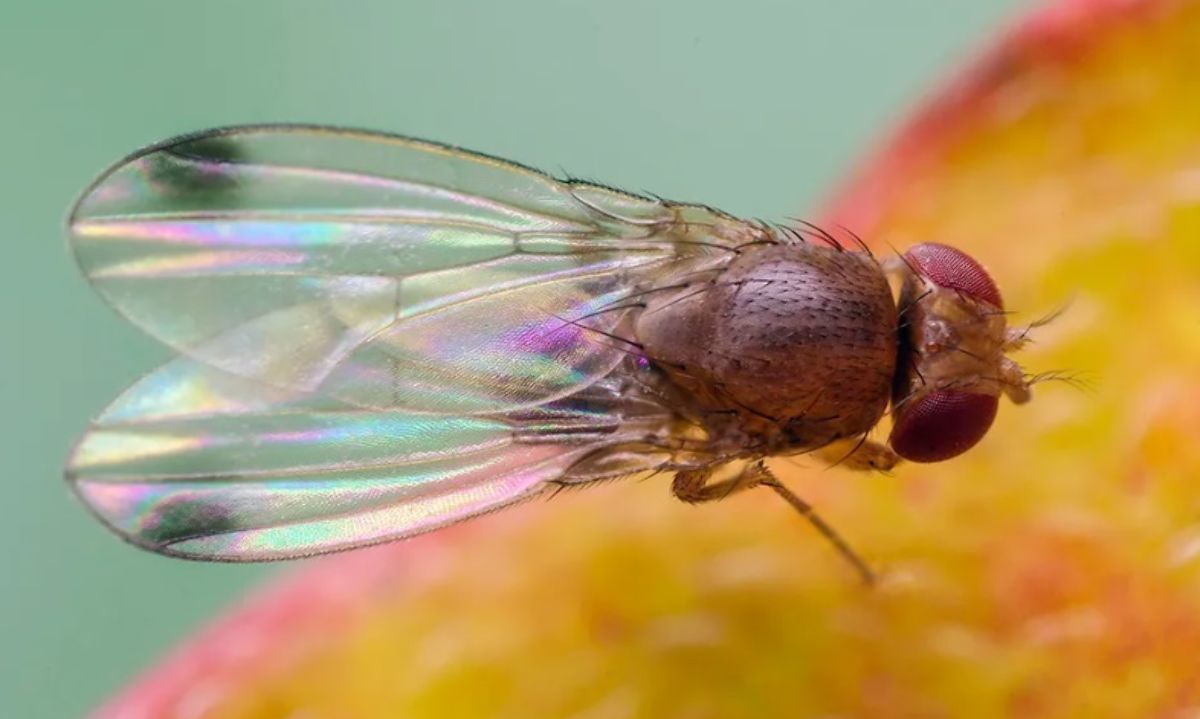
797 338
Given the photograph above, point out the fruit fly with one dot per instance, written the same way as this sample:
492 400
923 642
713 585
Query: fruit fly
381 336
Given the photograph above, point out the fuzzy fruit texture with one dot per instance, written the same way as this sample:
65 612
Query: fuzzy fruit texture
1052 571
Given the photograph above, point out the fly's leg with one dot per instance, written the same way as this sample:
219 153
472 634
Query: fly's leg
862 454
693 486
806 510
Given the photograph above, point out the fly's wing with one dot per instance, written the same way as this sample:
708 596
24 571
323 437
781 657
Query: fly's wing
195 462
381 336
385 272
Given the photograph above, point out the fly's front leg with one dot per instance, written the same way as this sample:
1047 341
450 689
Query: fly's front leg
806 510
694 485
863 455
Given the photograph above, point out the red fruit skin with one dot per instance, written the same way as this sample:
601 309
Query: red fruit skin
942 424
279 626
954 269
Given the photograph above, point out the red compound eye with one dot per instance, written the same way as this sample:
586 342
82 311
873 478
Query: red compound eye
955 270
942 424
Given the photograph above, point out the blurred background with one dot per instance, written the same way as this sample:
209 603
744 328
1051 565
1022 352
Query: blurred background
755 107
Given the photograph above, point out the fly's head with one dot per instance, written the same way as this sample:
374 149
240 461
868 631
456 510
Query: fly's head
953 364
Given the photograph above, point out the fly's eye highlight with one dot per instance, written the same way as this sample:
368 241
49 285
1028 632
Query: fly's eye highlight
942 424
954 269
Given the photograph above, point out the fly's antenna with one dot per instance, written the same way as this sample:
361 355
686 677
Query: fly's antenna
1076 379
1018 337
1051 316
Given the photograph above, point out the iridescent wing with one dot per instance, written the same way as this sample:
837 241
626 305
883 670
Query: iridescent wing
195 462
386 272
380 337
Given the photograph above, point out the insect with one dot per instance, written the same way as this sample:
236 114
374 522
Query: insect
381 336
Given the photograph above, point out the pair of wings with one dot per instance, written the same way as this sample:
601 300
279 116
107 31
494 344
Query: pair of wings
378 336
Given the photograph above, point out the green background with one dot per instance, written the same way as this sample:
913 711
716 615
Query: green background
755 107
